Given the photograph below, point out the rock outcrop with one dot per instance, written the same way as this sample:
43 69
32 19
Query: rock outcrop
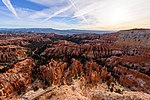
17 78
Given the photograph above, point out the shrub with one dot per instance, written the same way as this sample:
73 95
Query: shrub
118 91
35 88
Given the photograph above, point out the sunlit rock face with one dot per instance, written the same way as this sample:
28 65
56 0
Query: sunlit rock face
76 67
17 78
52 73
92 72
58 72
68 49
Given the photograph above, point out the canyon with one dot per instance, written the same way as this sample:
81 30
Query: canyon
107 66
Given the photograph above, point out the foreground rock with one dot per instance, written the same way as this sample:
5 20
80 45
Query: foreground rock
78 91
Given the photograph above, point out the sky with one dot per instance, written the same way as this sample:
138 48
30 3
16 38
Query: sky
75 14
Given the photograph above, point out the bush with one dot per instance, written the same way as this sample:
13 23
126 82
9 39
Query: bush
35 88
118 91
111 89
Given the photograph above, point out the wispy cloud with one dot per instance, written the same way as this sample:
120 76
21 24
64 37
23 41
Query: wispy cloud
58 12
10 7
94 14
36 24
48 2
73 4
87 9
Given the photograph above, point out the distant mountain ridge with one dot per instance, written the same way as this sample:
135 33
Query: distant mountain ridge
50 30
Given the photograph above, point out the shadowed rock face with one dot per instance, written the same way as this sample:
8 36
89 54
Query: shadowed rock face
58 60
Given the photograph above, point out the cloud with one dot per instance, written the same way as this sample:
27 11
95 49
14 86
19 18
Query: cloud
54 8
52 12
36 24
104 13
5 13
10 7
87 9
58 12
24 12
82 13
48 2
73 4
